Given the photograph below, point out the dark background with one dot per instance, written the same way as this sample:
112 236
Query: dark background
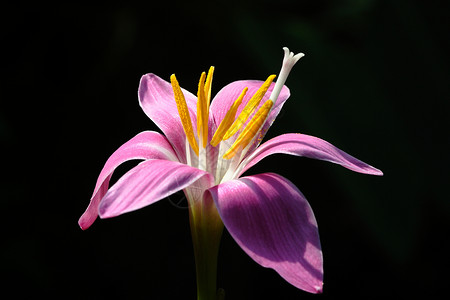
374 82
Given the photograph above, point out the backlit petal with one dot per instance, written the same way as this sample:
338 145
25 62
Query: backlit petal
273 223
225 98
148 182
145 145
307 146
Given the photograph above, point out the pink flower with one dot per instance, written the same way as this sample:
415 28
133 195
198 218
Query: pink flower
204 151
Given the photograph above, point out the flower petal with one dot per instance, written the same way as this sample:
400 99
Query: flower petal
227 95
157 100
273 223
145 145
148 182
308 146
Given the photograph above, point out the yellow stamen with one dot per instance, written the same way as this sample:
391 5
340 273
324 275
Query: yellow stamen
249 108
208 86
227 120
202 112
183 111
250 130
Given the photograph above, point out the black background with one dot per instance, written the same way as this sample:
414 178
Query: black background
374 82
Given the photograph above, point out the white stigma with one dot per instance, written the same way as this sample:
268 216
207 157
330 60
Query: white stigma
289 61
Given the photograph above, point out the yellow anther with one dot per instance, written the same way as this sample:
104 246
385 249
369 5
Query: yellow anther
249 108
252 129
227 120
183 111
208 86
202 112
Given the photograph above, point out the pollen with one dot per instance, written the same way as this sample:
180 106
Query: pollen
208 85
227 120
183 111
249 108
250 131
202 112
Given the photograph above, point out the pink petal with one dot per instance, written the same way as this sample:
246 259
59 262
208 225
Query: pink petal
148 182
273 223
145 145
311 147
227 95
157 100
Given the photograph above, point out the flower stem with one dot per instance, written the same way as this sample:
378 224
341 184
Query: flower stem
206 230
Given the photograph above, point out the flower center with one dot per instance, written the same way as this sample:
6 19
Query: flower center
230 125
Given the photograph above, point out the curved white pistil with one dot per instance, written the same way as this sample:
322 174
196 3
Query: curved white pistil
230 157
289 61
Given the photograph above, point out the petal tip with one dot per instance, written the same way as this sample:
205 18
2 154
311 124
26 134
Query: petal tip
88 218
375 171
84 225
146 79
105 210
318 289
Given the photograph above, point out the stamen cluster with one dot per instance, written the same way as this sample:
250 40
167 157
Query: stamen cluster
247 131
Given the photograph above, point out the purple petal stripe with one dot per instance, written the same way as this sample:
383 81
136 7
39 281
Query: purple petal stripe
273 223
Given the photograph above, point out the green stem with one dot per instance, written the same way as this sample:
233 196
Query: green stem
206 230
